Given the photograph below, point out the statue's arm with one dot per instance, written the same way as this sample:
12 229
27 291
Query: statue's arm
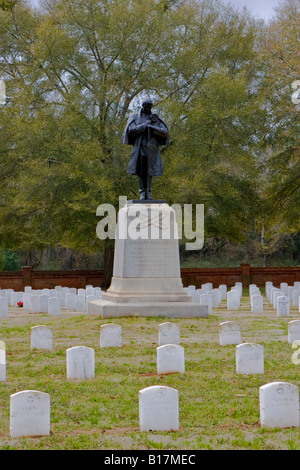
160 129
137 129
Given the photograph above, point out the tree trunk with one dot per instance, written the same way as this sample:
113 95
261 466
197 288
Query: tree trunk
262 242
69 259
108 265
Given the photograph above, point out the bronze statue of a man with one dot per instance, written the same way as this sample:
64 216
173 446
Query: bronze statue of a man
145 131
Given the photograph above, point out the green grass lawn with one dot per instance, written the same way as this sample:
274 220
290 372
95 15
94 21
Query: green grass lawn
218 409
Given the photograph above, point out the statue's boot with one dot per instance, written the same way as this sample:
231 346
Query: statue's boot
142 189
149 183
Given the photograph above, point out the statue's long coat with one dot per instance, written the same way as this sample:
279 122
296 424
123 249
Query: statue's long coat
133 135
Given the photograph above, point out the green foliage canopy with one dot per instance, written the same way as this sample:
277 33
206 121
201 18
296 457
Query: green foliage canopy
75 70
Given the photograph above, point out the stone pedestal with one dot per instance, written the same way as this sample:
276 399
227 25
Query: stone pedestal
146 275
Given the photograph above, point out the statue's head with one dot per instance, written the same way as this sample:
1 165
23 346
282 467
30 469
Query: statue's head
147 105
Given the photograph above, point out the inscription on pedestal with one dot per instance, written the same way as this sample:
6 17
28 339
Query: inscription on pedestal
150 258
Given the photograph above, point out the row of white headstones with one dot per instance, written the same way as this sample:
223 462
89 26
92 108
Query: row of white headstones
280 297
158 405
158 409
52 301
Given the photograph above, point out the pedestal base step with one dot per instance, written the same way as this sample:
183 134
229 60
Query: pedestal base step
108 309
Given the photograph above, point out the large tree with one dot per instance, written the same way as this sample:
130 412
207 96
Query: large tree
76 69
278 150
281 162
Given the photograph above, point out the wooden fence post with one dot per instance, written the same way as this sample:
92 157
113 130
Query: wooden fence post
27 276
246 274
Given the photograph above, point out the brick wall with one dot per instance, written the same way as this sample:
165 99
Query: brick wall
17 280
244 273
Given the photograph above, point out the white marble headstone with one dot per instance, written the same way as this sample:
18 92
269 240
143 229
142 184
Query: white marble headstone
271 293
291 290
276 295
54 306
70 300
90 298
223 290
110 335
53 293
62 298
195 294
2 365
98 292
216 297
34 303
268 286
257 303
89 291
206 299
80 363
43 303
279 405
13 299
239 286
8 296
3 307
29 414
41 337
206 287
254 289
295 298
158 409
26 301
229 333
249 358
168 333
284 287
233 299
283 306
170 358
293 331
80 303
